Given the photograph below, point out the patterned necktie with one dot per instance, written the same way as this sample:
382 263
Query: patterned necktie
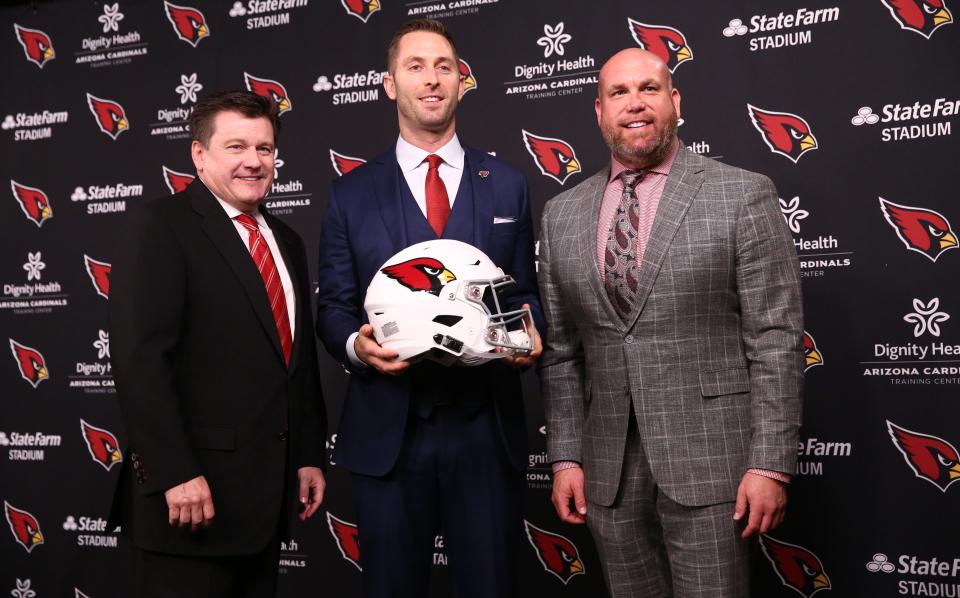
271 280
620 257
438 203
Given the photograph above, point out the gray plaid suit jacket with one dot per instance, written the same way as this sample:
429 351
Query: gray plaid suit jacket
711 357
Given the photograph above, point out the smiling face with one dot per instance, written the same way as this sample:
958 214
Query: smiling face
637 107
237 163
425 81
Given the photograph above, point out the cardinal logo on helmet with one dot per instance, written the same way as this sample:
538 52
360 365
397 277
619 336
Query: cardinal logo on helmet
811 355
33 202
784 133
666 42
342 164
346 536
176 181
102 445
554 157
37 46
188 23
925 231
557 554
932 459
99 273
270 89
362 9
25 528
110 116
798 568
33 367
421 274
920 16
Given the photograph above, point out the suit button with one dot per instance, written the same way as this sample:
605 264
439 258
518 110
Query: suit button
283 436
628 339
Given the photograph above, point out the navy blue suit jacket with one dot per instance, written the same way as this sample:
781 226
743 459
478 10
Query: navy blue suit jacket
362 228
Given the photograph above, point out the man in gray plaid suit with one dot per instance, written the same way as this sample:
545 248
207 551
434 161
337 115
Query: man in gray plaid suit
672 370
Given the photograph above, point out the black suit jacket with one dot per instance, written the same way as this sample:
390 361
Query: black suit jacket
201 380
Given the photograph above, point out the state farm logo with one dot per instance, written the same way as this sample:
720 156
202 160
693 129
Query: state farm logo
172 121
784 133
33 126
188 23
24 527
33 202
922 230
176 181
290 555
286 196
923 17
105 199
342 163
361 9
906 119
351 88
37 46
91 531
560 76
110 47
259 14
28 446
558 555
95 376
797 567
924 359
782 30
813 452
818 252
554 157
36 295
941 574
669 44
931 458
109 115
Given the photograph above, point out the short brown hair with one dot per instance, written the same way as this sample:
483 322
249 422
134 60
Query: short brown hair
246 103
428 25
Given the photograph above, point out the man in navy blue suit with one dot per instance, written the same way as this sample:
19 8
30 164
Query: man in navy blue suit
428 446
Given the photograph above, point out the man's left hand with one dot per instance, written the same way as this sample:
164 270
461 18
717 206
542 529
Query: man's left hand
312 486
766 500
530 358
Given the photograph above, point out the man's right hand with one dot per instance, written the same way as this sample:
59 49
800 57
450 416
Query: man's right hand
190 503
372 354
567 485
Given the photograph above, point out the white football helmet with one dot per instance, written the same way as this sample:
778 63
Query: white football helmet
440 300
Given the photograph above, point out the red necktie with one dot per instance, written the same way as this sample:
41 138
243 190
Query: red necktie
271 280
438 204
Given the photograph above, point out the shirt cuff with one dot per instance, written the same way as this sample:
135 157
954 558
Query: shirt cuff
561 465
773 475
355 361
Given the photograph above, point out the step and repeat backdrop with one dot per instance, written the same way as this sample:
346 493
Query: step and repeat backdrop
93 110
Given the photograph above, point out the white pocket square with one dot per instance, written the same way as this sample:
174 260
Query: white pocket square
503 219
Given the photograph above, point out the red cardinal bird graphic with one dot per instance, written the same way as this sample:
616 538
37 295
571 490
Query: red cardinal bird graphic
784 133
188 23
666 42
26 530
346 537
932 459
797 567
102 445
921 230
557 554
270 89
99 275
176 181
811 355
33 367
110 116
554 157
34 202
421 274
920 16
342 164
362 9
36 45
469 81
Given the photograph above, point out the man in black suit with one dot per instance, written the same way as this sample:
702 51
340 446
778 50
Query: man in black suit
216 368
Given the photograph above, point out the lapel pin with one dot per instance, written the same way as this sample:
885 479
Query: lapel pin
484 174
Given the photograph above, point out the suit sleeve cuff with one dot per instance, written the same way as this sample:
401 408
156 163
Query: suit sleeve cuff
559 466
352 353
774 475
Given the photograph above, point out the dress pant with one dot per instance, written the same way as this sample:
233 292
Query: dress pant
452 474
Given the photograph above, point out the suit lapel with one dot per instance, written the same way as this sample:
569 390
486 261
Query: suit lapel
385 183
683 183
589 218
221 231
483 200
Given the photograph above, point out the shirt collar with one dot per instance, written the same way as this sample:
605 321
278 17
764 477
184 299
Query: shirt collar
233 212
663 167
409 156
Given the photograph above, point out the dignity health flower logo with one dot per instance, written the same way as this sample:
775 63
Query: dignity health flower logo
926 318
188 88
111 17
553 40
33 266
102 345
793 214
